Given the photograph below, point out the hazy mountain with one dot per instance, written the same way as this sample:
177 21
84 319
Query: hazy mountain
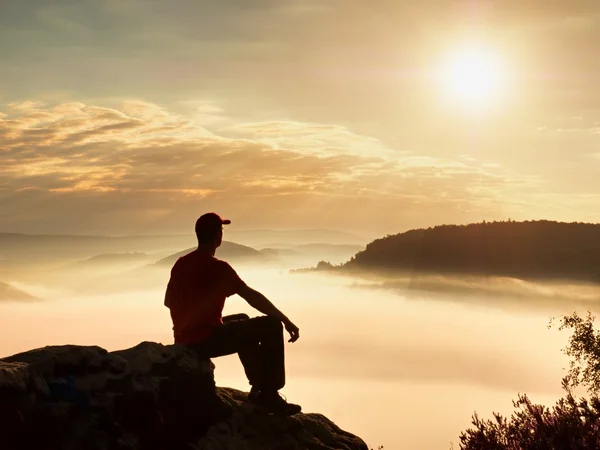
59 273
16 248
228 251
280 252
326 247
282 238
156 275
101 262
307 254
38 248
12 294
532 249
106 259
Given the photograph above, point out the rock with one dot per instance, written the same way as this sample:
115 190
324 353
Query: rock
14 377
250 430
151 396
141 358
68 359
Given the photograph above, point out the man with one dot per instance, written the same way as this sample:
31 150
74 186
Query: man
196 294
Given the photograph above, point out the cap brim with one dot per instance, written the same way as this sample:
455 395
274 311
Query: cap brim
225 221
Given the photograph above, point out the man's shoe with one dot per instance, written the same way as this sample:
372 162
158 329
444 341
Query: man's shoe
254 395
276 404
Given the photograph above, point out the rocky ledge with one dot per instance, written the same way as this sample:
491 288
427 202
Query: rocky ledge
151 397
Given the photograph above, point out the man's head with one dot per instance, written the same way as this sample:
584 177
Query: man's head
209 229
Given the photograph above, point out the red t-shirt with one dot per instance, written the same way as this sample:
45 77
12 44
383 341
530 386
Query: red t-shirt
196 294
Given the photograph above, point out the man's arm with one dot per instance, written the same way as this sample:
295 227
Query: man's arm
262 304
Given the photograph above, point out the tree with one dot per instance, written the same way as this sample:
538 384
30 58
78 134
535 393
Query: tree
324 265
583 351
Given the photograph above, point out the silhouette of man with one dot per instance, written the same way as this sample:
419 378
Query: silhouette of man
196 294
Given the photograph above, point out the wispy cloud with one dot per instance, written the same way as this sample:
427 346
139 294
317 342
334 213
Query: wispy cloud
76 159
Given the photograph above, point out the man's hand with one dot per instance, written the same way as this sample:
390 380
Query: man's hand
262 304
293 330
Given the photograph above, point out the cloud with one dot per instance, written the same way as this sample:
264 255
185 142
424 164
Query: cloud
487 291
75 162
311 138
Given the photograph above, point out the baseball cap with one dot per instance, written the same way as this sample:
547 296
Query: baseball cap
210 221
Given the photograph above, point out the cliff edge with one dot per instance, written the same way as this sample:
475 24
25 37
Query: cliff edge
147 397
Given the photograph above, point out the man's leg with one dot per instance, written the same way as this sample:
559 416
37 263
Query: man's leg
266 361
250 358
233 317
259 344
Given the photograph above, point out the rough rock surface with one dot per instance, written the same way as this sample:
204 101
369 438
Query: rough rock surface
148 397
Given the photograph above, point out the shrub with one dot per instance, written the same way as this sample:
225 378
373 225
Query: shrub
569 425
572 424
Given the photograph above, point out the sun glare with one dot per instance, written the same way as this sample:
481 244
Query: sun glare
472 76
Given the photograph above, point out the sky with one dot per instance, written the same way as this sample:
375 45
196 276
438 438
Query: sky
136 116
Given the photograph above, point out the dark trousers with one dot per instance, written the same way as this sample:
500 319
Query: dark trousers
258 343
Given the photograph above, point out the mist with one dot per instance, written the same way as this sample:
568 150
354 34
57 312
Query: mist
402 362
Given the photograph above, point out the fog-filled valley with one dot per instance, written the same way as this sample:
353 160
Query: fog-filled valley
94 264
402 360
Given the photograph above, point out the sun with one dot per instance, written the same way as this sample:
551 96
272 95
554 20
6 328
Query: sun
473 76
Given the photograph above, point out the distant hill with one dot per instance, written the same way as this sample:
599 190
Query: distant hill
156 274
318 248
15 247
113 258
307 254
531 249
12 294
261 238
228 251
280 252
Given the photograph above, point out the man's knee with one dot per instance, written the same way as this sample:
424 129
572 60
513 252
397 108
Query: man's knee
234 317
272 323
